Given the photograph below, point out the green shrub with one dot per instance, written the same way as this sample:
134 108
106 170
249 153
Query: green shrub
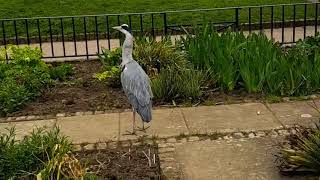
12 95
255 63
150 54
209 50
25 55
111 62
111 58
24 77
112 76
29 156
170 84
253 57
61 72
154 56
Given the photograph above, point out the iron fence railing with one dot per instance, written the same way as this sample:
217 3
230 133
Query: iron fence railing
84 36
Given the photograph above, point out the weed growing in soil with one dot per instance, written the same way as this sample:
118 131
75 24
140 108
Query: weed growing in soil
41 153
61 72
300 154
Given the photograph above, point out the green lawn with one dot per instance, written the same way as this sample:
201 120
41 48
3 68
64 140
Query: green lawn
31 8
45 8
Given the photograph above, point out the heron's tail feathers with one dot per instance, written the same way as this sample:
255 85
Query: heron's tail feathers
146 113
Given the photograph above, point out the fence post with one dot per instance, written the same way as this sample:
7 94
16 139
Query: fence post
165 24
237 19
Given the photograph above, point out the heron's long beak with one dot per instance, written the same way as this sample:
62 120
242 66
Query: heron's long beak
117 28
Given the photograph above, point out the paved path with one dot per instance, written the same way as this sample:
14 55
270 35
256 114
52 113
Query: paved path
177 121
245 159
183 154
114 43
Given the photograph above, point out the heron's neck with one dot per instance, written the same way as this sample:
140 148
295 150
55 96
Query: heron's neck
127 49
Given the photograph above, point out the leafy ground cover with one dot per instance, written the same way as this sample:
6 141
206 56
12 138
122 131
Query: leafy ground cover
24 78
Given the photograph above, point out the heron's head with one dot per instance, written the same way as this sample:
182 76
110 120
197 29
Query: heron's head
124 28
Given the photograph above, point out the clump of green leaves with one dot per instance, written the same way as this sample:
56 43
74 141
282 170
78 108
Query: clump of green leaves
255 56
111 64
33 154
153 56
171 84
61 72
209 50
255 63
23 78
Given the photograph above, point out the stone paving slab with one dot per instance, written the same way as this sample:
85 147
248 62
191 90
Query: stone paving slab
177 121
250 159
243 117
25 127
299 112
90 128
165 123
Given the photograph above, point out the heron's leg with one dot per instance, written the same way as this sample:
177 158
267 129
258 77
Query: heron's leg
134 121
133 124
143 128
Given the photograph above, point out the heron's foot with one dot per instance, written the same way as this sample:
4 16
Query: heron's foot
143 129
127 133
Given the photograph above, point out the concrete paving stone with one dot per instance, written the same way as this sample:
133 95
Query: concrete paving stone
298 112
165 123
243 117
24 128
90 129
247 160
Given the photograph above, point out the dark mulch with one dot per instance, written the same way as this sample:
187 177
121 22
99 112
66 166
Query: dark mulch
128 163
83 93
80 93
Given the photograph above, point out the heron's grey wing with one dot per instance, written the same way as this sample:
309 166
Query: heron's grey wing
136 84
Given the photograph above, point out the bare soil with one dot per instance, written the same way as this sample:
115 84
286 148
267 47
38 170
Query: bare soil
81 92
130 163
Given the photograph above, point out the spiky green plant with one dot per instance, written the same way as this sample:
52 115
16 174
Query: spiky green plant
301 153
26 157
209 50
254 56
153 56
170 84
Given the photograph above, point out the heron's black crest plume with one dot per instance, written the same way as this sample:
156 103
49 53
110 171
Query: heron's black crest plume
127 28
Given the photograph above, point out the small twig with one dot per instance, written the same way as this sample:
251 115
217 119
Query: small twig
197 104
154 158
100 163
118 164
126 153
149 160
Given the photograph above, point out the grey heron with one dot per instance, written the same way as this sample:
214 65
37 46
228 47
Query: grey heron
135 82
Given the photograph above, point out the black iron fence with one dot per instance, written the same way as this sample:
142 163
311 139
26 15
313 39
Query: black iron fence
84 36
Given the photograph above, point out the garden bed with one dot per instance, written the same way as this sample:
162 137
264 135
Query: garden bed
83 93
123 163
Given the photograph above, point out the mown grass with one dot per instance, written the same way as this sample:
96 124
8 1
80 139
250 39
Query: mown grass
38 8
31 8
